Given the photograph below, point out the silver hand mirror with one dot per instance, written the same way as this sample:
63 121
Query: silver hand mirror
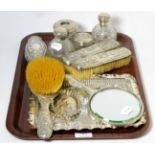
116 106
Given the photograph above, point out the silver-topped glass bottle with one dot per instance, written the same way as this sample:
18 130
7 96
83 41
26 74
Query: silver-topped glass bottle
61 44
104 30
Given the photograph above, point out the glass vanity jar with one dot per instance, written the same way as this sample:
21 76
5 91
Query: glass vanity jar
35 47
61 44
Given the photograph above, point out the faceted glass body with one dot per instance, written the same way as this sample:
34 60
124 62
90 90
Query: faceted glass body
107 32
60 47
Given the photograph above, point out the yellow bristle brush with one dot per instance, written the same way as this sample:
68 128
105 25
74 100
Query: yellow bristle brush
88 73
45 77
84 66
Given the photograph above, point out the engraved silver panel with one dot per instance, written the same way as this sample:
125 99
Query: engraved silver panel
97 54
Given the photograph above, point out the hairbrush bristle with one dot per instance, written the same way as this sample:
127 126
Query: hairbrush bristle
45 75
87 73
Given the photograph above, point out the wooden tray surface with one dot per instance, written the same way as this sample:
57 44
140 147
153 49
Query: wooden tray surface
17 116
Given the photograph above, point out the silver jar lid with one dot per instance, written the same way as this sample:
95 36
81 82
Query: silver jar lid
68 24
104 18
83 39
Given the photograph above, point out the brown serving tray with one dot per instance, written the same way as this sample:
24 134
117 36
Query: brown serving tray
17 116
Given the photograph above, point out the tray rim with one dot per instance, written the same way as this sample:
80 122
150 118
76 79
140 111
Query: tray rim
19 134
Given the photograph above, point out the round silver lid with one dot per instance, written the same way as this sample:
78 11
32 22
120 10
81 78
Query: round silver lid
103 18
83 39
68 24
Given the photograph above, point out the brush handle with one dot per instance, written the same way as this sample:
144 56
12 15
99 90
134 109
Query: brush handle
44 121
73 82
